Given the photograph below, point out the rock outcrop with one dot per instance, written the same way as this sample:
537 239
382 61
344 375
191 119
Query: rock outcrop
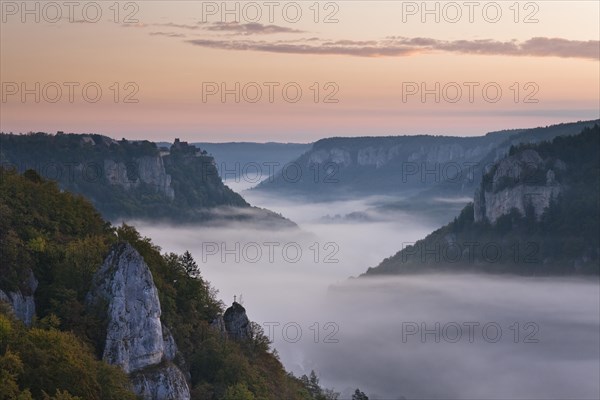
379 165
335 155
379 156
492 206
147 169
22 301
164 382
237 324
127 179
136 340
517 182
219 325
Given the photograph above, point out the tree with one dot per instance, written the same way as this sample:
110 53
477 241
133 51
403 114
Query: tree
189 265
11 367
60 395
312 385
62 241
238 392
54 365
258 338
359 395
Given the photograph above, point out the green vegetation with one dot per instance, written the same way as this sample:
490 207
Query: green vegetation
43 362
316 392
124 179
358 395
219 368
564 240
63 240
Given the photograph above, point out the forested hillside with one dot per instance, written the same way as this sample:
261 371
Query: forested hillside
132 179
59 241
536 213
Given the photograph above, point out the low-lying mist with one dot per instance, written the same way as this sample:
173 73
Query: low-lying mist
465 337
426 336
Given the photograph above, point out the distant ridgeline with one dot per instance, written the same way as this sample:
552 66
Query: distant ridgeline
129 179
465 184
536 212
251 162
433 165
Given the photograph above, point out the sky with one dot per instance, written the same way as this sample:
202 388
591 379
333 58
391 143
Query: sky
296 71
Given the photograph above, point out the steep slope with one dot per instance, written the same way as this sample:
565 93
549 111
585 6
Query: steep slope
107 293
465 184
423 167
444 200
136 339
378 165
536 212
132 179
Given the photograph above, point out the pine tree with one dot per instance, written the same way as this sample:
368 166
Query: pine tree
189 265
359 395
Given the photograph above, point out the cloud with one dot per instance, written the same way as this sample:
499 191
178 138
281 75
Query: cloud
292 48
391 46
401 47
181 26
252 28
167 34
136 25
231 28
568 48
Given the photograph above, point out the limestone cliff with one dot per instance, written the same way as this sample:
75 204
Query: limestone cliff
380 164
147 169
164 382
125 179
21 300
380 155
422 168
237 324
136 340
537 208
517 182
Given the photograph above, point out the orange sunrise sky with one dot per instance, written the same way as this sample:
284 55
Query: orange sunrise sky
361 68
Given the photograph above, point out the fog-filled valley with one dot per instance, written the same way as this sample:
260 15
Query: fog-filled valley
519 337
203 287
299 200
477 284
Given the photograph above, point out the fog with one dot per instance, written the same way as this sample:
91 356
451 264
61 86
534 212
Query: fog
498 336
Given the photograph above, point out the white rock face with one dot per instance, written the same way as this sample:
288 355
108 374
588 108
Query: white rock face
500 200
372 156
23 306
335 155
166 383
445 153
116 174
501 203
136 340
219 325
170 348
379 156
150 170
134 336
